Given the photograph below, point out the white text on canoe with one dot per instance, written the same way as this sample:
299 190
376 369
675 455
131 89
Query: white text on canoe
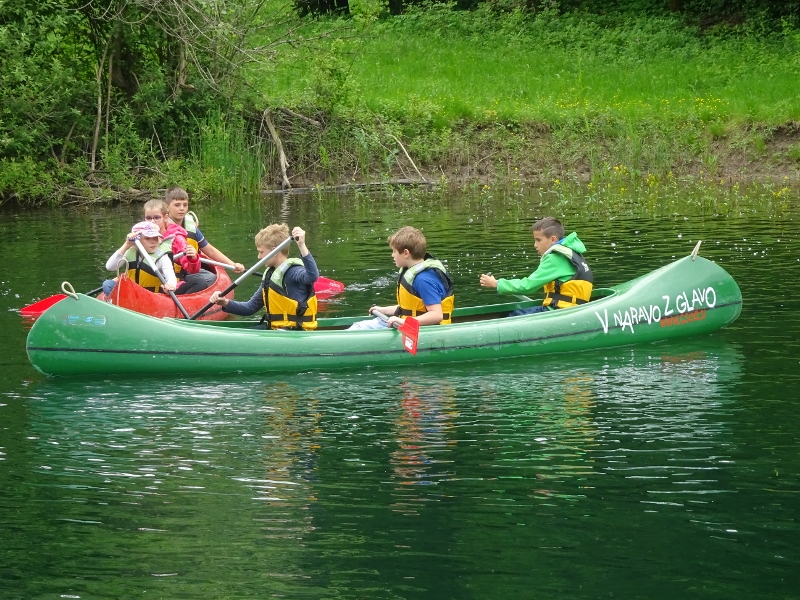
652 313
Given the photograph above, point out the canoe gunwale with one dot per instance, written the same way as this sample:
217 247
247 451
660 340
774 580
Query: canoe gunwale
335 323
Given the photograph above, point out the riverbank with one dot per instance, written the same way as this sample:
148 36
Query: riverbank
472 98
476 96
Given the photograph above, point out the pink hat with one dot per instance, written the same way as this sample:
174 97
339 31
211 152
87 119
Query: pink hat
146 229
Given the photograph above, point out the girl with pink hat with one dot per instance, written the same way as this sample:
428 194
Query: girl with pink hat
139 269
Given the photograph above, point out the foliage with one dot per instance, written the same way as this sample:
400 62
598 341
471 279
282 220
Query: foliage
111 88
149 93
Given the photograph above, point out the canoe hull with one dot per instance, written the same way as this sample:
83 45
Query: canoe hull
130 295
83 336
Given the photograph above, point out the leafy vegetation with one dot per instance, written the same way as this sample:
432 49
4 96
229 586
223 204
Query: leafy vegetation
100 99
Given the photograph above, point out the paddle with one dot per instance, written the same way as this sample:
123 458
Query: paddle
152 264
409 331
37 308
241 278
329 287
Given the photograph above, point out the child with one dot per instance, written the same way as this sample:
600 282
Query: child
424 290
178 212
139 269
287 287
563 272
187 266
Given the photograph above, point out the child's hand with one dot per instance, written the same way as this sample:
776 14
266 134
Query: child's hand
299 235
191 253
216 299
169 287
394 319
488 280
238 268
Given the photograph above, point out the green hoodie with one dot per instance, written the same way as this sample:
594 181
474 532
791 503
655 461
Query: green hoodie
552 266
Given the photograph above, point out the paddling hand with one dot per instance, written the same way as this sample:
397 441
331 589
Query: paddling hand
238 268
386 310
191 253
169 287
130 241
488 281
300 237
393 320
216 299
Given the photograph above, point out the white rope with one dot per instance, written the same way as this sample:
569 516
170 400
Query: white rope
696 249
67 288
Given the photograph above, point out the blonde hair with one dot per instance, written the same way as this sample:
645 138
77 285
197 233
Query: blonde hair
157 203
409 238
175 193
272 235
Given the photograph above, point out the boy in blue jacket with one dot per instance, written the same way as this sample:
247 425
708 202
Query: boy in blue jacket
563 272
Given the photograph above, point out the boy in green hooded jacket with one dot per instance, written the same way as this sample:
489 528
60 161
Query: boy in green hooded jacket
563 272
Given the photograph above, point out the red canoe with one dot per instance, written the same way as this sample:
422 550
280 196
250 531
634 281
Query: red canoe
132 296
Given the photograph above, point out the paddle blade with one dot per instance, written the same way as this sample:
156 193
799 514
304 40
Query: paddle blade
325 288
410 334
37 308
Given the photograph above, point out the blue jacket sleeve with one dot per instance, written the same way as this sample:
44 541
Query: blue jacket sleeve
300 282
308 275
245 309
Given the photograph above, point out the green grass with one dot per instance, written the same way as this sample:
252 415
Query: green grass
649 68
647 92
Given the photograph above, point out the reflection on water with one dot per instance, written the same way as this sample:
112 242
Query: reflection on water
424 424
657 471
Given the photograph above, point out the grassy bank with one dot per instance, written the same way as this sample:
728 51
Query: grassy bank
476 95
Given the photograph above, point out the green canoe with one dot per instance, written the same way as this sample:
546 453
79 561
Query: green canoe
82 335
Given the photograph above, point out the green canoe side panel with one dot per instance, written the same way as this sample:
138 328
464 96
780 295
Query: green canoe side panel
86 336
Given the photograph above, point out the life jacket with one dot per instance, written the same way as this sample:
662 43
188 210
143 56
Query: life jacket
190 223
281 311
411 305
139 270
574 291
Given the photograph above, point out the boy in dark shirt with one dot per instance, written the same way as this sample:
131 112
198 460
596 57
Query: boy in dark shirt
287 287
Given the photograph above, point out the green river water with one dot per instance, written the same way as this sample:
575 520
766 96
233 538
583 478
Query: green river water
655 471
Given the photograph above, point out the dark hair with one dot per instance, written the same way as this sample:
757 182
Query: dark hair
549 226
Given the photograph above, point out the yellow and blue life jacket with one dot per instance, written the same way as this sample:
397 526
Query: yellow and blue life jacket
281 311
411 305
190 223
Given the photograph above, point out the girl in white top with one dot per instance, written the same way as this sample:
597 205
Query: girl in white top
150 237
